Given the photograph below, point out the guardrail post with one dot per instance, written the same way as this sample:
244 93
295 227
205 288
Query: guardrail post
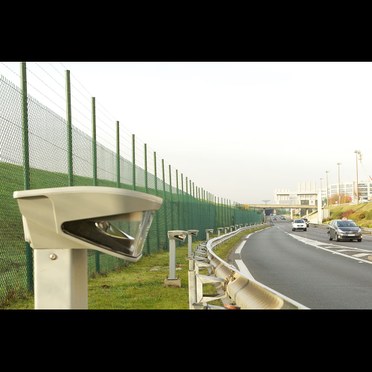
199 254
191 272
192 288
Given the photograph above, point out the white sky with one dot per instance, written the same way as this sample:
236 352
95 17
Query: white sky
240 130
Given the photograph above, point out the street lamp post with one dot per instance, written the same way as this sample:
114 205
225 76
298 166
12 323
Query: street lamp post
357 152
320 214
321 188
327 187
339 190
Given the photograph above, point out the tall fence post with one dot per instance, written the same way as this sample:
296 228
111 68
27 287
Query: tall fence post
225 209
201 206
94 141
178 203
209 206
191 205
134 161
171 198
156 193
187 198
183 204
118 183
26 169
165 204
69 130
95 180
146 172
222 213
215 208
146 190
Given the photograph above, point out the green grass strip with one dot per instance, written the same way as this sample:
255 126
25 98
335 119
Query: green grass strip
140 285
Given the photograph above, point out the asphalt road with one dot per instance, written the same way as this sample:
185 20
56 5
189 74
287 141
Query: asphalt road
310 269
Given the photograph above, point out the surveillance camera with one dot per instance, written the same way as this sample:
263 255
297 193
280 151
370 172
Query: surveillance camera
177 234
193 232
111 220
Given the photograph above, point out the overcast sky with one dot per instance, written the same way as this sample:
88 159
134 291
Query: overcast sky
240 130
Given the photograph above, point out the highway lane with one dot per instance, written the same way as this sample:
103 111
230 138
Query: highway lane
317 273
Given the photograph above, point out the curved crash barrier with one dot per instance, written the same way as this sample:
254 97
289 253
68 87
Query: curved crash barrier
234 289
247 294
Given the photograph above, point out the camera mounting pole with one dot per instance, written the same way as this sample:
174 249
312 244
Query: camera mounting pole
173 235
61 224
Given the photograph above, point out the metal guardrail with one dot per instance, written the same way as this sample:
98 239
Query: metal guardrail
235 290
366 230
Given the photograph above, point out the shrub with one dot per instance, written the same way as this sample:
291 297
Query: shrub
347 213
361 216
336 213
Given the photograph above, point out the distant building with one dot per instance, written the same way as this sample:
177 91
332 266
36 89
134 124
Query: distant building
307 193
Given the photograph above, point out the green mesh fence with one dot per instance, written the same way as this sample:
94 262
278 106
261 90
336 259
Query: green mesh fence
13 280
48 158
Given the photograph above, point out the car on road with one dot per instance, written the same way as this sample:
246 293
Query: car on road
306 221
299 224
344 230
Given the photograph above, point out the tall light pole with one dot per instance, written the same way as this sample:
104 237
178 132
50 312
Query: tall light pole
327 187
320 210
339 190
357 152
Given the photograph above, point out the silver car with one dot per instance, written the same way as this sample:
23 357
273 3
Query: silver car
344 230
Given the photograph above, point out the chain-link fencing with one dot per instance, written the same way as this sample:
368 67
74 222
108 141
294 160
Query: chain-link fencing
41 149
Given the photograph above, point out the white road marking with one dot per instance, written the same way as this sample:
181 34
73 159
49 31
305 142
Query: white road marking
346 250
243 269
239 249
241 245
333 248
320 245
362 254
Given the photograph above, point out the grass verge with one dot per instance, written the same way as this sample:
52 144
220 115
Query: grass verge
223 250
140 285
361 213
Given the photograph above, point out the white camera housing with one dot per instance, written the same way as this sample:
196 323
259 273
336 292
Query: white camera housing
179 235
111 220
193 232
